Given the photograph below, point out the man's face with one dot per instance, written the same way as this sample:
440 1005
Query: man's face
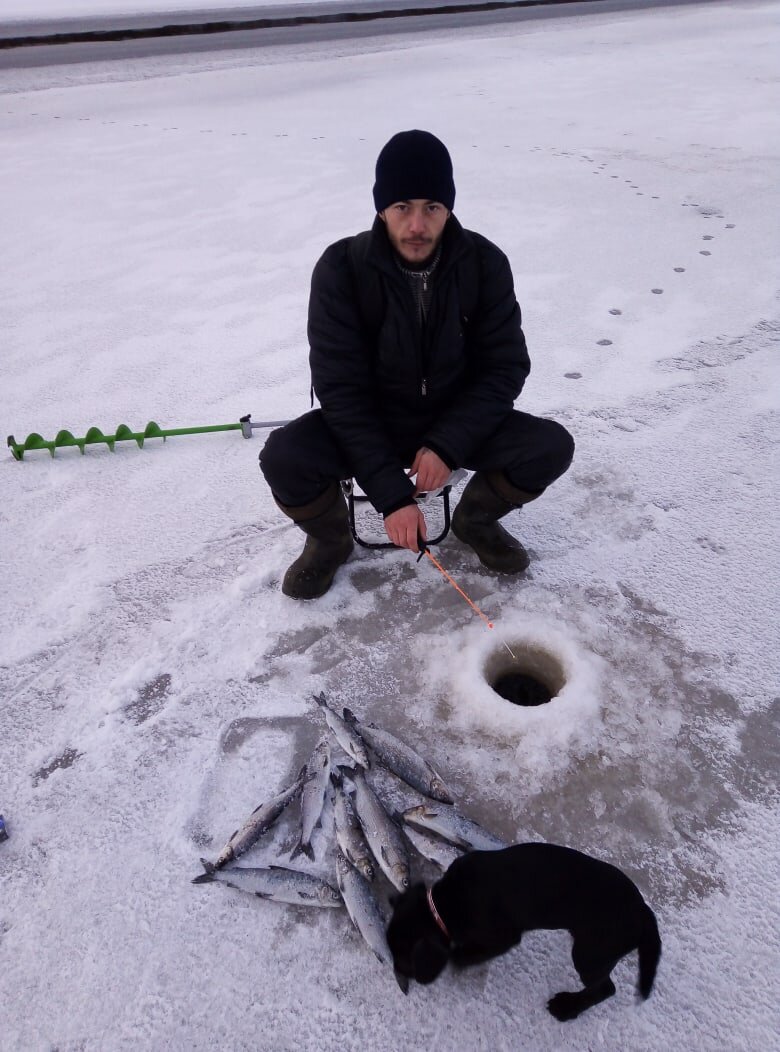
415 228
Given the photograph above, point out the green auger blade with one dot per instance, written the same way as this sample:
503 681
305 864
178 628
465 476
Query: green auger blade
95 436
123 434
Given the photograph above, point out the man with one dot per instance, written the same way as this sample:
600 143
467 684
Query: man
417 356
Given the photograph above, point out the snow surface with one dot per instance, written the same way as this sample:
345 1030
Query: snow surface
161 218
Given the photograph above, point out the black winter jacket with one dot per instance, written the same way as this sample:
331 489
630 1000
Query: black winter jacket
388 385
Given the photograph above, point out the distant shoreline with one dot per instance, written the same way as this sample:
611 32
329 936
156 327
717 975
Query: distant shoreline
173 29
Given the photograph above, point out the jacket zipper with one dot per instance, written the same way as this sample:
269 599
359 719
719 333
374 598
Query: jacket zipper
424 384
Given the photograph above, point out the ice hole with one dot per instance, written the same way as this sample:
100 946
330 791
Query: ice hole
528 676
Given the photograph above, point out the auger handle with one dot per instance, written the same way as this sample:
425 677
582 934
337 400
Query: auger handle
247 427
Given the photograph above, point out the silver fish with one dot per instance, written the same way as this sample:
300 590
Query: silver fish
349 740
362 908
441 852
349 832
274 882
383 835
453 827
261 819
315 786
401 759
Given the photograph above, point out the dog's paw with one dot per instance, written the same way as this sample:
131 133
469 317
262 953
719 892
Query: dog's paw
564 1006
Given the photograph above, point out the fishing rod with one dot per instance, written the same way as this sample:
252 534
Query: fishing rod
425 550
123 433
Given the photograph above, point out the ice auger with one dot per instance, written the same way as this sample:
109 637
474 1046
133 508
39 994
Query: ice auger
123 434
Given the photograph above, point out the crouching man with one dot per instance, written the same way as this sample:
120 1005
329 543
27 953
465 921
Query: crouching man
417 357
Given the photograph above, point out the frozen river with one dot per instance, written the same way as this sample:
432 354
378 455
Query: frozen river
161 215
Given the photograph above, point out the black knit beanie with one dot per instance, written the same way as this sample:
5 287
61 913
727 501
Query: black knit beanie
414 164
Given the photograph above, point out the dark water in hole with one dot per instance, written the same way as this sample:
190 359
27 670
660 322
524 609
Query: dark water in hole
521 689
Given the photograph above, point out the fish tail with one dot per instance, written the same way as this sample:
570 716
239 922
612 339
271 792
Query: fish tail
337 778
320 699
208 875
344 768
301 847
350 716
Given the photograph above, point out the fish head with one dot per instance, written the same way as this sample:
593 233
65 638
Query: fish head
329 895
420 813
401 876
439 791
364 867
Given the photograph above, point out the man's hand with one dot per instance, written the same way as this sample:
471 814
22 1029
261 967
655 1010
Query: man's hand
402 526
430 469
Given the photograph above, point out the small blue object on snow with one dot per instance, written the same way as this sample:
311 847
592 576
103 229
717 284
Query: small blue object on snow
3 830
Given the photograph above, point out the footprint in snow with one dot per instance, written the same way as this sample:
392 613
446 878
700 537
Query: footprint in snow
150 700
65 759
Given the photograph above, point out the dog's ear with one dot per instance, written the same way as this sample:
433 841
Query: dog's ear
409 898
429 957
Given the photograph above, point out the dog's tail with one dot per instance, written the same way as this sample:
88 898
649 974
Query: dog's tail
649 954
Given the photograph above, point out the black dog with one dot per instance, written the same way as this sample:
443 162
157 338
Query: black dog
487 899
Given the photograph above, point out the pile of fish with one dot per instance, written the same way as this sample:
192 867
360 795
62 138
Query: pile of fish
369 838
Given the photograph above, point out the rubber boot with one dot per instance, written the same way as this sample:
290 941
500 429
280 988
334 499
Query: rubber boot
488 497
328 544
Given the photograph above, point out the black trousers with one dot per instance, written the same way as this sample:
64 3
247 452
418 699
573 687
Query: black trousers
301 459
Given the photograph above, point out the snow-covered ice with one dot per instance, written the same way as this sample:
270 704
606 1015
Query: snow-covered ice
160 220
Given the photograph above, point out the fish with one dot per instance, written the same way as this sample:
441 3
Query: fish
441 852
362 908
383 835
453 827
402 760
315 786
349 832
347 737
261 820
278 883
